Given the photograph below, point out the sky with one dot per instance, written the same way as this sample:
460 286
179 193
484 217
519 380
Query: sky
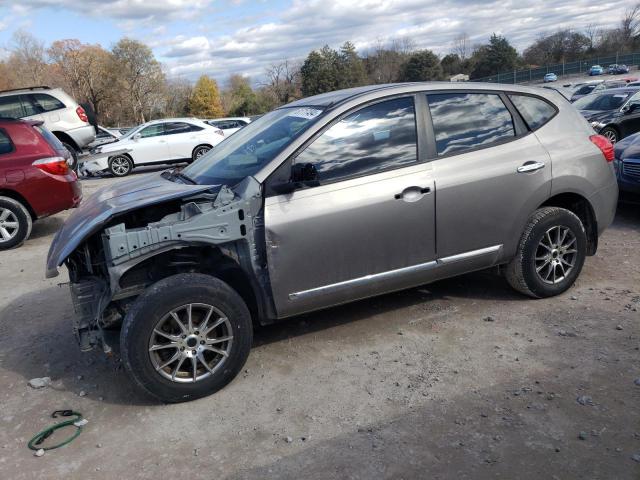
224 37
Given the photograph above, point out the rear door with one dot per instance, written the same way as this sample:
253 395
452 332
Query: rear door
182 138
367 226
490 172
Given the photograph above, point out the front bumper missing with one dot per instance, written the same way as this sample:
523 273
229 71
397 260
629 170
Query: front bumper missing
89 297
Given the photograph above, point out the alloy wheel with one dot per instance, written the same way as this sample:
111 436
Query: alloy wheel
556 254
9 225
120 165
610 135
190 343
201 151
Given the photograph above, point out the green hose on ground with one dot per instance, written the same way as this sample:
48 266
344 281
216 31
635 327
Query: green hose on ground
77 421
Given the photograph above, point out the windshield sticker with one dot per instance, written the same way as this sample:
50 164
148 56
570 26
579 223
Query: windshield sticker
305 112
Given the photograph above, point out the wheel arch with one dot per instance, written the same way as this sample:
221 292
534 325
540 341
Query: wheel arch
200 145
65 138
19 198
582 208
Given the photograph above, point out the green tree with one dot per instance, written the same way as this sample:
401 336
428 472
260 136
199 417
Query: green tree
498 56
451 64
350 69
241 97
205 99
422 65
319 72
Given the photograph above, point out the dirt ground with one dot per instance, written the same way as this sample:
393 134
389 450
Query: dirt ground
459 379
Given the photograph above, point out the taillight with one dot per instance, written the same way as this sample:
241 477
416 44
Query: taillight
53 165
82 114
605 146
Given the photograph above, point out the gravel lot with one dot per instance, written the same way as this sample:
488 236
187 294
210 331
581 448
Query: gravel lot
459 379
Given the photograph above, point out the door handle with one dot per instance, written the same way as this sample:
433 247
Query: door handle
412 194
530 167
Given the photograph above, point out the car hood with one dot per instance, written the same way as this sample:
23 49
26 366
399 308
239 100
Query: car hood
108 202
597 115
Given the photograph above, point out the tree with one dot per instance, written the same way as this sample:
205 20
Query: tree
451 64
177 96
240 98
350 68
422 65
385 62
498 56
561 46
27 59
205 99
141 75
461 45
283 81
319 72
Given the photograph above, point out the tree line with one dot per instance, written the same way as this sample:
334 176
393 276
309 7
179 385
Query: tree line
127 85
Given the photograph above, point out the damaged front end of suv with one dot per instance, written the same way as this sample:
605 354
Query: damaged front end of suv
127 238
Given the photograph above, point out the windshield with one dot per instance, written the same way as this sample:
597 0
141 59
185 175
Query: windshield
132 132
249 149
602 101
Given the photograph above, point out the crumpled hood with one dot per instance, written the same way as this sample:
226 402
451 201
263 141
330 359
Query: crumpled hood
108 202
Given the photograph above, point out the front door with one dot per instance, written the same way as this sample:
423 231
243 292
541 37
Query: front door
368 225
151 146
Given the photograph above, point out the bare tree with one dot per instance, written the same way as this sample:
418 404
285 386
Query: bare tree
27 59
630 27
282 80
591 32
462 45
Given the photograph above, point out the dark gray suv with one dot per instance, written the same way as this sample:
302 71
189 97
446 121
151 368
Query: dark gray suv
327 200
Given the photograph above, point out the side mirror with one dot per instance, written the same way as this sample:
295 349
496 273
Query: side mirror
137 136
302 174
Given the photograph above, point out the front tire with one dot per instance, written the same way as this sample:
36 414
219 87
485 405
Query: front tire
550 255
73 165
120 166
15 223
186 337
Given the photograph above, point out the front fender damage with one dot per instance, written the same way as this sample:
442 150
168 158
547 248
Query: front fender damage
229 220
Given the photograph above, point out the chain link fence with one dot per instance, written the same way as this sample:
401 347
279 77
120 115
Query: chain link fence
561 69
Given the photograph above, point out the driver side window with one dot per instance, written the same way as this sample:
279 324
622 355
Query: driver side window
374 139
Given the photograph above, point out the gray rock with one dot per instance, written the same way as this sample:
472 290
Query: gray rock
582 435
98 445
39 452
584 400
637 381
489 319
636 457
618 327
573 297
40 382
82 393
288 439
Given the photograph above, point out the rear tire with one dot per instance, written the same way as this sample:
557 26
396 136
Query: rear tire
15 223
120 166
611 134
74 156
550 255
199 151
150 337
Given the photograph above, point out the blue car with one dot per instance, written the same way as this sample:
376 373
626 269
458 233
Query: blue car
596 70
550 77
627 165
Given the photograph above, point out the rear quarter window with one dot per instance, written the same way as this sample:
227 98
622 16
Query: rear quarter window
5 143
47 103
535 111
50 138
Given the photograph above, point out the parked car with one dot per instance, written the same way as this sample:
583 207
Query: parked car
613 113
61 115
35 179
598 86
616 69
104 136
627 165
328 200
596 70
171 140
229 125
550 77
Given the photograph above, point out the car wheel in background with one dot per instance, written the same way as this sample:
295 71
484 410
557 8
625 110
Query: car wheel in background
199 151
73 164
120 165
186 337
15 223
550 255
610 133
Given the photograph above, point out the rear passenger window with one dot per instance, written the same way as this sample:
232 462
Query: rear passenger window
11 107
535 111
5 143
464 121
373 139
47 103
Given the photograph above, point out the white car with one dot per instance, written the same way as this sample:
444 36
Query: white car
229 125
104 135
61 115
171 140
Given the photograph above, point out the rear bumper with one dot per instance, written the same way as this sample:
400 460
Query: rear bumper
63 192
605 202
83 136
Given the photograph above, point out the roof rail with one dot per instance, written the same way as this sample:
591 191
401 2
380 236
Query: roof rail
44 87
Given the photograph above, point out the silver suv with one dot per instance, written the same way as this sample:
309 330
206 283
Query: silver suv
61 114
327 200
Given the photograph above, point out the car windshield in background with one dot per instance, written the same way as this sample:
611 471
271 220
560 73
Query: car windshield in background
602 101
248 150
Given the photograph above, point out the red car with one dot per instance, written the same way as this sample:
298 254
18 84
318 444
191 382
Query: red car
35 179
